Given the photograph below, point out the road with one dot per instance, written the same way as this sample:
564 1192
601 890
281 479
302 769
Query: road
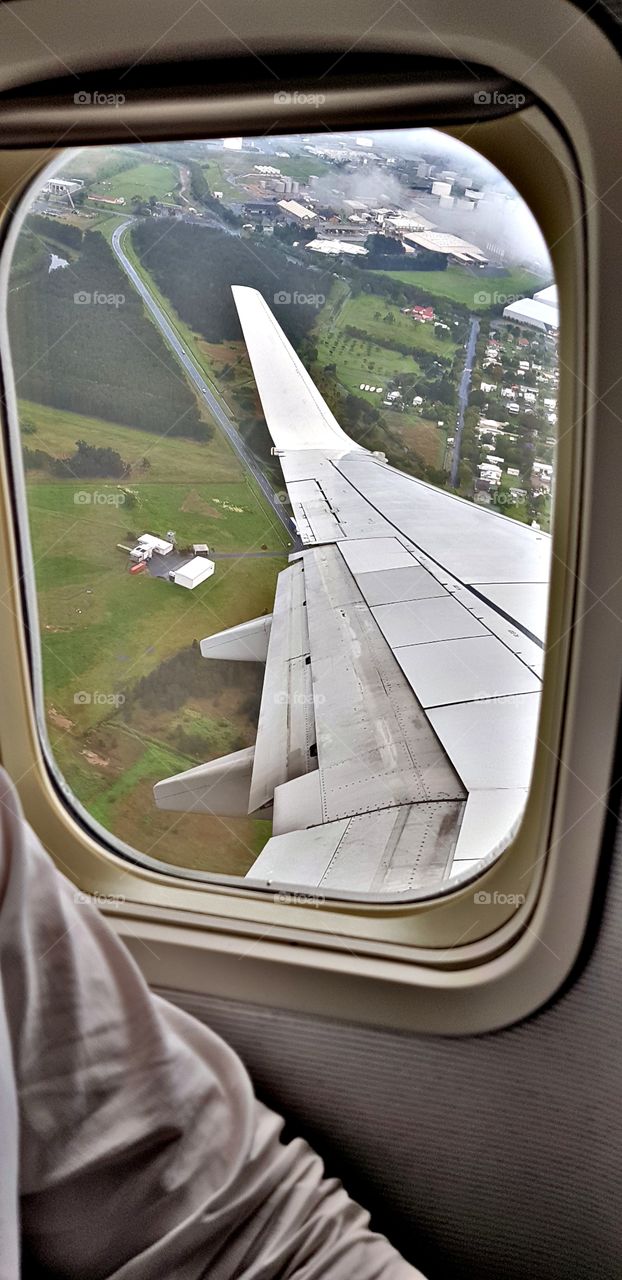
198 378
463 397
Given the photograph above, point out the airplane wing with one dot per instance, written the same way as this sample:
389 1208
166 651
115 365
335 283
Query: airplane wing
403 662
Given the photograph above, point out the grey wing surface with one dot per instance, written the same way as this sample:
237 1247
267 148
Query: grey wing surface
403 663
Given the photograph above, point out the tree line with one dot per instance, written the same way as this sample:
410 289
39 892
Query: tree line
195 266
88 462
81 342
186 675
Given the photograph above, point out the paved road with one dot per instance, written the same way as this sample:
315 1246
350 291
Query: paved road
463 396
198 378
246 555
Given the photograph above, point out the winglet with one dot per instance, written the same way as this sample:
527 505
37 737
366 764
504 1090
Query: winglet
296 414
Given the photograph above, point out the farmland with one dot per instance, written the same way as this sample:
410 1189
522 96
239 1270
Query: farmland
149 178
103 631
374 361
462 286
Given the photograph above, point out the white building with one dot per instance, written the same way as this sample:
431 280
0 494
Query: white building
548 296
62 186
336 247
490 426
541 311
489 472
191 574
147 544
408 222
297 211
443 242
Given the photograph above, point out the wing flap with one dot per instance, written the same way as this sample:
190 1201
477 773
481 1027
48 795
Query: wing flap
286 728
391 851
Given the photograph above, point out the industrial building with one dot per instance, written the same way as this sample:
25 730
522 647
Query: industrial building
349 230
296 211
540 312
406 222
549 296
62 186
529 311
108 199
335 246
455 248
192 573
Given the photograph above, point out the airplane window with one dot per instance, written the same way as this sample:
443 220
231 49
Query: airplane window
287 412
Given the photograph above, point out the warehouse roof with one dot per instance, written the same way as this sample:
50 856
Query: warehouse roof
335 246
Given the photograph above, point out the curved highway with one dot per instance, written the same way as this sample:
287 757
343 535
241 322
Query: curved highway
198 378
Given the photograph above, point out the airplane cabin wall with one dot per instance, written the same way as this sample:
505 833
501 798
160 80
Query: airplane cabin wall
482 1157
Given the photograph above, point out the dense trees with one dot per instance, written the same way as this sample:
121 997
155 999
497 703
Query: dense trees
380 246
81 341
195 267
198 183
89 462
61 232
187 676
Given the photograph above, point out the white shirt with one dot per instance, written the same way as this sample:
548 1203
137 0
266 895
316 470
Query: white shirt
133 1145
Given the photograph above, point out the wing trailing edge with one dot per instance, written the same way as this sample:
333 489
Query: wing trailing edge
297 415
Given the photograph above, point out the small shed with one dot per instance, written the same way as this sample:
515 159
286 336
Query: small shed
193 572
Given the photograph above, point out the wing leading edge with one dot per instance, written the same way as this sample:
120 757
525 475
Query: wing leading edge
402 663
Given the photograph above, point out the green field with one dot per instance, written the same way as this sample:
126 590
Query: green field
171 457
221 175
463 287
357 362
108 222
144 180
103 629
89 161
371 313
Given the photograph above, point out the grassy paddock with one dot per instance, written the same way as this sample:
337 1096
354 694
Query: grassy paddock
144 180
102 629
460 286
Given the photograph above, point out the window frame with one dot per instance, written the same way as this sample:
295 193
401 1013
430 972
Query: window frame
466 974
